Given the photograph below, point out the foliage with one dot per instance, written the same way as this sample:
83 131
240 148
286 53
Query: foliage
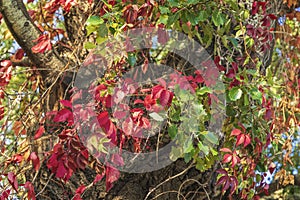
261 129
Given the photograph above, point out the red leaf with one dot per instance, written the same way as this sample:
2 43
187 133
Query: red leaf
222 171
227 158
240 139
19 54
81 161
145 123
138 101
119 96
120 114
35 160
117 159
1 112
77 197
149 102
130 13
98 178
43 44
136 113
272 167
127 126
12 179
4 194
39 132
199 79
235 160
66 103
156 91
61 171
222 180
166 98
234 184
112 175
273 17
63 116
247 140
226 185
235 132
254 8
103 118
108 101
30 190
80 189
262 5
163 36
226 150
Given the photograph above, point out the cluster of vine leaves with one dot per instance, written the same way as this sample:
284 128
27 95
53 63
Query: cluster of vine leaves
250 100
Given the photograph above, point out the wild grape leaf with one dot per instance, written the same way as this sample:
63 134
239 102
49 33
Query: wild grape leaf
12 179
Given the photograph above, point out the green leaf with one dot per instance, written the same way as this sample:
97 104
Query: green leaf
233 41
173 18
208 35
102 30
217 18
89 45
202 16
224 41
188 145
246 100
235 93
100 39
185 95
131 59
156 117
256 94
185 28
211 137
214 152
193 1
191 17
163 19
172 131
164 10
176 152
90 29
203 148
174 3
187 157
94 21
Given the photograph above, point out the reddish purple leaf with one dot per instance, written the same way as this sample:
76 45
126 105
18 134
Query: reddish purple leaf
98 177
66 103
35 160
12 179
222 180
226 150
247 140
103 118
234 184
30 190
80 189
44 44
227 158
240 139
39 132
63 116
235 132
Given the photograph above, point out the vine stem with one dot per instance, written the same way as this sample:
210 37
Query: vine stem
168 179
